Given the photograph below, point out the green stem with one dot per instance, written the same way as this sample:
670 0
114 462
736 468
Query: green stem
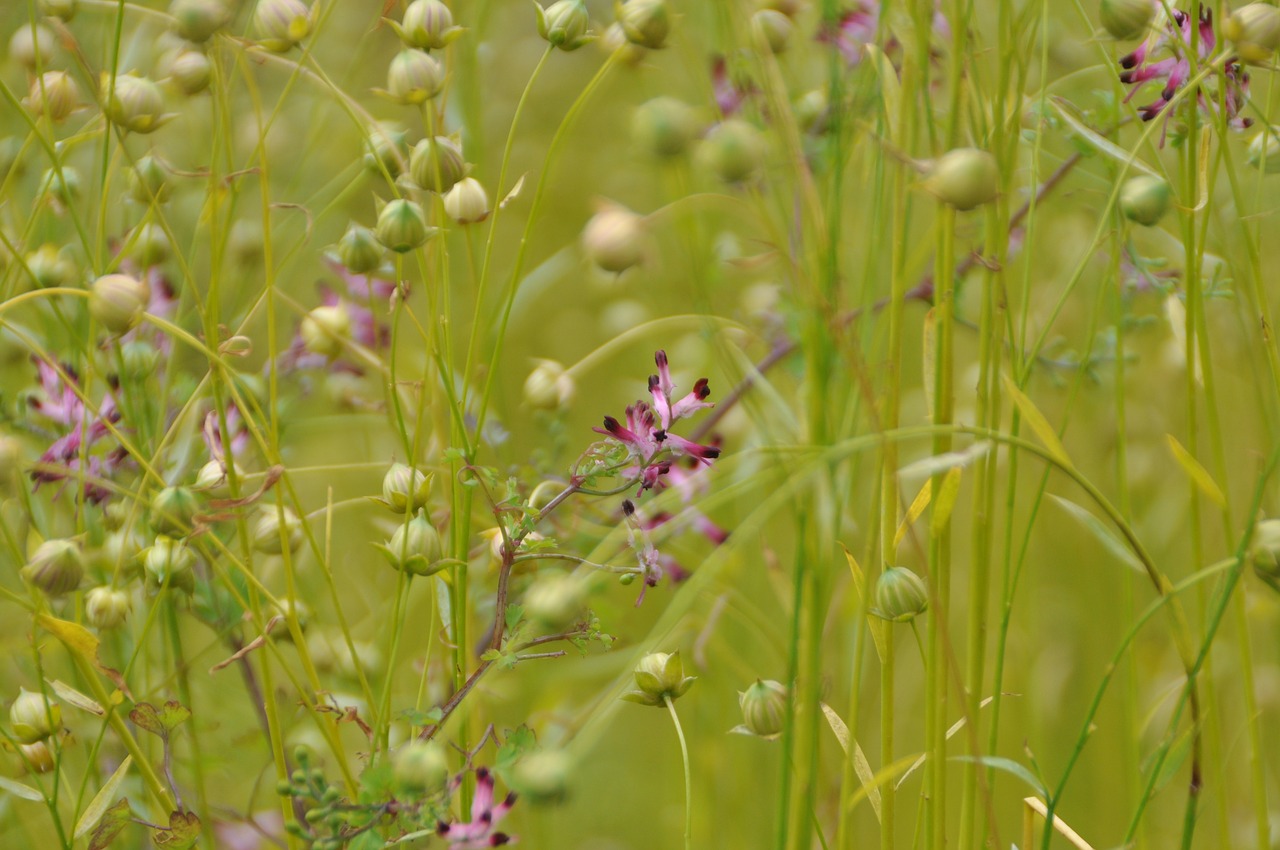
688 784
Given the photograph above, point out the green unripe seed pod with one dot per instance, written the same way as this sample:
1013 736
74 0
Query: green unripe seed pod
1255 31
427 25
405 488
564 24
64 186
325 329
420 769
1126 19
437 164
133 103
48 268
467 202
173 511
614 239
664 126
414 77
34 717
542 777
267 532
54 93
33 47
149 245
1144 199
900 595
197 20
64 10
281 24
734 150
107 607
548 386
645 23
402 226
359 251
659 676
773 29
148 181
964 178
555 601
117 302
191 72
764 708
414 548
56 567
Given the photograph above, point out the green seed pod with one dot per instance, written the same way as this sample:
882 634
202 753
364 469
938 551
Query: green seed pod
564 24
427 25
414 548
56 567
734 150
64 10
646 23
1255 31
555 601
1144 199
34 717
169 560
63 186
107 607
148 245
358 250
33 47
614 238
1264 552
173 511
659 676
118 301
964 178
294 609
764 709
197 20
542 777
120 550
405 488
139 359
467 202
615 43
212 478
414 77
773 29
191 72
325 330
812 111
148 181
437 164
386 148
281 24
1264 150
548 387
402 226
133 103
50 269
420 769
1125 19
267 536
664 126
53 93
37 757
900 595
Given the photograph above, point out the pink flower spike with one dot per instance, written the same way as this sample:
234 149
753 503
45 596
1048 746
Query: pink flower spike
479 833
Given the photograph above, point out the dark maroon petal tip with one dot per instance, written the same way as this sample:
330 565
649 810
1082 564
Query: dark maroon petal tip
702 389
499 839
653 382
660 357
711 453
611 425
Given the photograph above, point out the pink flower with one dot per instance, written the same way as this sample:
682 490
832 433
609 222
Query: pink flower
81 430
479 833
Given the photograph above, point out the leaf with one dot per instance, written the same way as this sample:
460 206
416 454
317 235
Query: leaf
377 782
369 840
422 718
918 506
954 728
183 831
160 721
1103 145
1037 423
875 623
1008 766
1196 472
514 614
1175 755
519 742
883 775
513 194
1104 534
98 805
946 501
109 826
71 696
83 644
20 790
890 87
860 764
932 465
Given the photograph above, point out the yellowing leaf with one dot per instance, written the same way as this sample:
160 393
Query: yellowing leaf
1197 473
890 88
19 790
946 501
71 696
83 644
861 766
1037 423
98 805
917 509
875 623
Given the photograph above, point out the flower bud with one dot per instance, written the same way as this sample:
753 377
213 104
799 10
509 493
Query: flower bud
298 611
148 245
414 548
900 595
548 386
173 511
33 47
281 24
421 769
564 24
1125 19
267 536
133 103
467 202
1255 31
1264 551
54 93
120 550
659 677
139 360
542 777
148 181
664 126
191 72
56 567
555 601
63 10
212 478
387 148
614 238
414 77
812 111
615 43
734 150
48 268
358 250
405 488
964 178
64 185
169 561
37 757
772 28
106 607
34 717
764 709
197 20
645 22
402 226
325 330
427 25
1144 199
437 164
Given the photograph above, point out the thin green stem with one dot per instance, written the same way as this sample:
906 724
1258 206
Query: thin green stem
688 782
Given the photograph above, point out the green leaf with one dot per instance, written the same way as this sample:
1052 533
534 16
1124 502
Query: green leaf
20 790
861 766
98 805
876 625
514 614
1008 766
1104 535
422 718
520 741
367 841
1175 756
377 781
1196 472
160 721
1111 149
1037 423
183 832
113 821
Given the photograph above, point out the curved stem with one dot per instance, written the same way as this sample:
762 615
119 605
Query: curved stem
688 785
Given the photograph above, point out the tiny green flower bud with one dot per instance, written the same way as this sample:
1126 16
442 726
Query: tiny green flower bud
900 595
812 110
664 126
34 717
548 386
169 560
120 550
212 478
281 24
140 360
615 42
467 202
148 245
173 511
437 164
645 22
405 488
64 10
773 29
1125 19
764 709
414 548
564 24
148 181
614 238
325 329
1264 552
56 567
964 178
133 103
387 148
106 607
63 186
267 531
542 777
659 677
191 72
1255 31
414 77
197 20
54 93
358 250
734 150
421 769
402 226
33 47
427 25
1144 199
49 268
37 757
555 601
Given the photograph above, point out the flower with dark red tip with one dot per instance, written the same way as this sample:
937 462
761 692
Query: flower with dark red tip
480 832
